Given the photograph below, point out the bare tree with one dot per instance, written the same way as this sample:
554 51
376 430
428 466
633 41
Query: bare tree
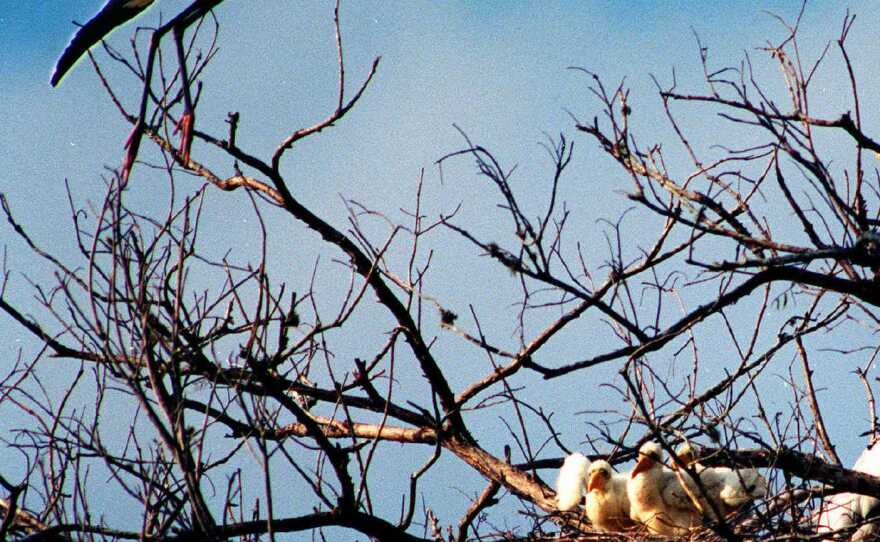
223 368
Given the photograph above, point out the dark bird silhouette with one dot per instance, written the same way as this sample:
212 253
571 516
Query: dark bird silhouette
113 14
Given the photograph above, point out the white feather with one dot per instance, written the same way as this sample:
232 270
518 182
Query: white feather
607 501
847 509
729 489
572 480
657 498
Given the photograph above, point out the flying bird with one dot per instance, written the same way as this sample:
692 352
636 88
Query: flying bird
607 501
113 14
657 497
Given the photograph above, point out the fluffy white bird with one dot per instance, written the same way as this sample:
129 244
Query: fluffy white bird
571 481
848 509
657 497
607 501
729 489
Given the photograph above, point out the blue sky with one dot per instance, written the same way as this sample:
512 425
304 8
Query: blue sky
496 69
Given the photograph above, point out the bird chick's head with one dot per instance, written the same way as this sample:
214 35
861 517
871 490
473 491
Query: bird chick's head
650 454
599 474
686 454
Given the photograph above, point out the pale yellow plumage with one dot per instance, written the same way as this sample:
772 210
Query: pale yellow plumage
657 497
607 500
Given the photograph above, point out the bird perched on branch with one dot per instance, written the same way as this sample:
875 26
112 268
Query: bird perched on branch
607 501
845 510
664 501
729 489
571 481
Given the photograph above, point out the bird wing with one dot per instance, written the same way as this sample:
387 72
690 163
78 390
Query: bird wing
845 509
740 486
869 463
113 14
837 512
866 532
674 495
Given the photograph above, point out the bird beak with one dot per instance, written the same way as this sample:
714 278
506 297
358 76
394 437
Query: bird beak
643 464
594 483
